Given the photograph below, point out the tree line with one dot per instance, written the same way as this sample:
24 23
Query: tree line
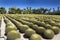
29 10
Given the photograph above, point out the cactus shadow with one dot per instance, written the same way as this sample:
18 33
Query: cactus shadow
25 36
48 39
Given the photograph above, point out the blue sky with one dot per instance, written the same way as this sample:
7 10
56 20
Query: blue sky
28 3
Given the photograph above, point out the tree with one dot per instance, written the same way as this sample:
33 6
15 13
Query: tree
30 10
25 11
2 10
34 11
14 10
53 10
18 11
49 10
58 8
45 10
58 11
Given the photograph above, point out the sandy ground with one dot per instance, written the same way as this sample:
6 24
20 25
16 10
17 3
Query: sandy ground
2 37
56 37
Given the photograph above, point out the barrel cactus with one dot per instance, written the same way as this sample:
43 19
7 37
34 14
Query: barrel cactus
30 24
13 35
41 30
56 30
35 37
47 26
35 27
29 32
48 34
23 28
9 28
8 24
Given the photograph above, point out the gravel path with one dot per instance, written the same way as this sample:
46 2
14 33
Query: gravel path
2 36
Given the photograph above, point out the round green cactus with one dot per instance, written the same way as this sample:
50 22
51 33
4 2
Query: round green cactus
41 23
9 28
23 28
47 26
30 24
52 23
35 27
56 30
13 35
35 37
29 32
48 34
41 30
8 24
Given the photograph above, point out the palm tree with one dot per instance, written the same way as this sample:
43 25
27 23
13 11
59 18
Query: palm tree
18 11
58 9
12 10
45 10
49 10
53 10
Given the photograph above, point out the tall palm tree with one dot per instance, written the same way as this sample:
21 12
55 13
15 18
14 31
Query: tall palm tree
18 11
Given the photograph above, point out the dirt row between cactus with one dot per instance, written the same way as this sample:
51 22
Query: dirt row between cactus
3 37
